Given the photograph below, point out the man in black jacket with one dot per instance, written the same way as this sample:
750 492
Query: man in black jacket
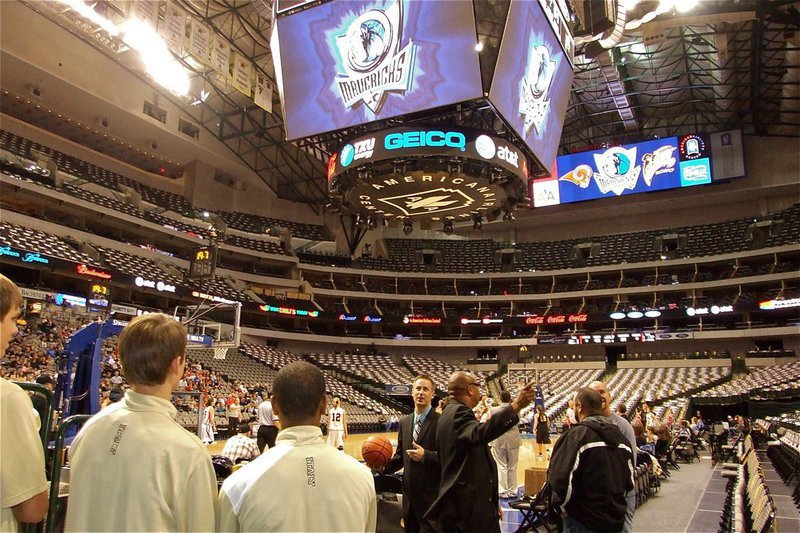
468 499
591 469
416 455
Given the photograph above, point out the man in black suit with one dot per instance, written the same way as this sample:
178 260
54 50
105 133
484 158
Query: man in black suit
416 455
468 499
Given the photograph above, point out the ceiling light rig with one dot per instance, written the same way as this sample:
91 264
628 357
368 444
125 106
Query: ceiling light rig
158 61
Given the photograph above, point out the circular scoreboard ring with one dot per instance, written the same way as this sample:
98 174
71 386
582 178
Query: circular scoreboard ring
428 173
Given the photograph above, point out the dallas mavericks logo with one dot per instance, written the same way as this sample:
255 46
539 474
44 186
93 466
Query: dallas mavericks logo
534 101
616 170
373 61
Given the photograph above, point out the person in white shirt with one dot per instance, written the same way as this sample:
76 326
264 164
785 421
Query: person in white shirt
301 484
337 425
234 411
23 485
132 466
241 446
267 429
571 420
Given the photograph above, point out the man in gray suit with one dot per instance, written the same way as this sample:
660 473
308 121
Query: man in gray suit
505 450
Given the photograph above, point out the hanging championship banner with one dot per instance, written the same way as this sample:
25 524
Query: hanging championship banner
242 73
146 11
263 93
199 40
221 57
174 29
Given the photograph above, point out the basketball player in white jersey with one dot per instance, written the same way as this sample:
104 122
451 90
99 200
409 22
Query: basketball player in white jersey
337 425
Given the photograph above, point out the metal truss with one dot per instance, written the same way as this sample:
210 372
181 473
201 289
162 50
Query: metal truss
700 78
294 171
704 76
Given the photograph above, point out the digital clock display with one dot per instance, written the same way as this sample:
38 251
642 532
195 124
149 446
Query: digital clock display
203 262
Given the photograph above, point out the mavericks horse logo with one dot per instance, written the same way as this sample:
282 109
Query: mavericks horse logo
373 62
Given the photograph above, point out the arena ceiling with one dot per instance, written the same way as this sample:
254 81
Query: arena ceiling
724 64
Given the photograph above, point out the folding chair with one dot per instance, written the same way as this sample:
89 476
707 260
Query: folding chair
535 511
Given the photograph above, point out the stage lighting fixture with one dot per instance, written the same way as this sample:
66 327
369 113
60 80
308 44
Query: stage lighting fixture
372 222
408 227
448 227
477 222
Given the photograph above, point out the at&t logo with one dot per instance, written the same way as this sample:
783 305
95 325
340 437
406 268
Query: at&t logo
486 148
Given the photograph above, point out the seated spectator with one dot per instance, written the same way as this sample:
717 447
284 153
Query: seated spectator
638 432
686 431
669 420
241 447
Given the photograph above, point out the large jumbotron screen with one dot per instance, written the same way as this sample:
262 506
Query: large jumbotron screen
342 64
532 80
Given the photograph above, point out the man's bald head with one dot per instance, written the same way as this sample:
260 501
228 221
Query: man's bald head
588 402
464 387
600 387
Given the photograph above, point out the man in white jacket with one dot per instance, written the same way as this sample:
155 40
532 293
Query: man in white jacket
133 467
301 484
505 449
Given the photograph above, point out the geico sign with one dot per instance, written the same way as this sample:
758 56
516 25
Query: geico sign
556 319
419 139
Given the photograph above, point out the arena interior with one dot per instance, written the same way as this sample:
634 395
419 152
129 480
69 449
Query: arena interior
134 184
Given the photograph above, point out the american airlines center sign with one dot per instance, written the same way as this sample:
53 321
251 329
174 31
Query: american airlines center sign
427 172
427 195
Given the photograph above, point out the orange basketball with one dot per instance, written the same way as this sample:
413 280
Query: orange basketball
377 452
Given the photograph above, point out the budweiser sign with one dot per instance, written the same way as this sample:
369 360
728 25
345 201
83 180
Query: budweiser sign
89 271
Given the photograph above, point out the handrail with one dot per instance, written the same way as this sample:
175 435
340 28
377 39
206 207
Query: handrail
55 475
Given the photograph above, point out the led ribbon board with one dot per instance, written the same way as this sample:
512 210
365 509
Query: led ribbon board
656 165
343 64
532 79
